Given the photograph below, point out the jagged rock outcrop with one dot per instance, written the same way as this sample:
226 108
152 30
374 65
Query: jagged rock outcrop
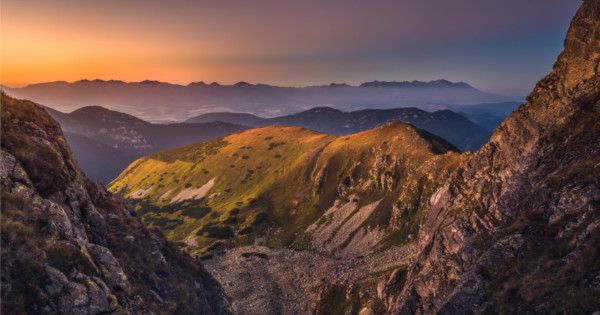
71 247
516 229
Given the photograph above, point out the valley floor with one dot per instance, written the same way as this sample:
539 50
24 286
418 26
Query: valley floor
263 280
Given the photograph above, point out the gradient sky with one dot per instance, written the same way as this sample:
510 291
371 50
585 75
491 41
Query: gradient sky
497 46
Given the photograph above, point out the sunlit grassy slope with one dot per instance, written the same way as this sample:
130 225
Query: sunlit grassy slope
276 181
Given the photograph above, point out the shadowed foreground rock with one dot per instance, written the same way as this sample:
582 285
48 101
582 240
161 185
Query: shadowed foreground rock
71 247
516 229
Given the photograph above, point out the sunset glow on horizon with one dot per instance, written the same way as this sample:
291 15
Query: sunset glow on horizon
503 47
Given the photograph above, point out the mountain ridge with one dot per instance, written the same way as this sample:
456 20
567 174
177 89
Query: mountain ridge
445 123
534 149
374 83
248 171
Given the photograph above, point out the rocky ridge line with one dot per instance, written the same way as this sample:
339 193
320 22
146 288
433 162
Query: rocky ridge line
534 185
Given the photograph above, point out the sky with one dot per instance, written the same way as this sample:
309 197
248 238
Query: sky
497 46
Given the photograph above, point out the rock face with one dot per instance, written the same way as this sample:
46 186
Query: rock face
71 247
515 230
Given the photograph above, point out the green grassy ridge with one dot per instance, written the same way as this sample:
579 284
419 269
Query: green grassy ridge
285 176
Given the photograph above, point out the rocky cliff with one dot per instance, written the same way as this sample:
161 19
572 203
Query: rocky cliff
71 247
516 229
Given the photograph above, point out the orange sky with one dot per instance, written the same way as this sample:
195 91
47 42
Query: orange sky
294 43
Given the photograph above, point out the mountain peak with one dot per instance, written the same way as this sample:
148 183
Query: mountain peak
96 112
242 83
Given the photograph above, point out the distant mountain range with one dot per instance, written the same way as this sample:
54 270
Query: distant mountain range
154 101
454 127
104 142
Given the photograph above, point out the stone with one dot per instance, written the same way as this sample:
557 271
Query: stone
365 311
109 266
57 280
394 277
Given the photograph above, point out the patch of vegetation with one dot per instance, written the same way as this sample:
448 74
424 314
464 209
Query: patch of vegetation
333 301
219 232
194 153
64 257
260 218
522 283
273 145
214 246
197 212
206 257
231 220
246 230
163 222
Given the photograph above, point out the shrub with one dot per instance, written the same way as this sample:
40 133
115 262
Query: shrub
66 258
219 232
260 218
214 246
273 145
246 230
231 220
165 223
196 212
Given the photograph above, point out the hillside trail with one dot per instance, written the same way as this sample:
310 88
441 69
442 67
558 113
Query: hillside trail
263 280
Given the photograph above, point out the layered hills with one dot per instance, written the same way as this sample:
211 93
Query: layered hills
71 247
454 127
105 142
